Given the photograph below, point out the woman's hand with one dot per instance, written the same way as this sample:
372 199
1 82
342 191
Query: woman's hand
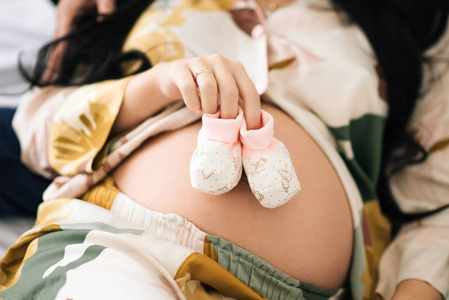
220 87
223 89
66 13
416 289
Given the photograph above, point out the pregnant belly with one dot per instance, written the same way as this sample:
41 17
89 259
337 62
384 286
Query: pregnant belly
309 238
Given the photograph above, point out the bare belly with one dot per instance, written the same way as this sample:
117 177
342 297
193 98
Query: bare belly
309 238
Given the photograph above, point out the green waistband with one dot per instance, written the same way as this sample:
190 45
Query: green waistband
263 278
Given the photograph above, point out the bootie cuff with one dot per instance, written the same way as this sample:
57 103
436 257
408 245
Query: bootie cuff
258 139
222 130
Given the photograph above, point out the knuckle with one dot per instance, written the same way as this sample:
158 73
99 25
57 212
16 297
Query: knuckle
192 105
238 65
208 84
198 61
215 57
209 104
185 85
176 65
230 95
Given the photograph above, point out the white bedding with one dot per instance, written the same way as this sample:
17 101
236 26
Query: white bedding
24 26
11 229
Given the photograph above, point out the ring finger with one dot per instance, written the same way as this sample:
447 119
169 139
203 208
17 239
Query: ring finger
207 89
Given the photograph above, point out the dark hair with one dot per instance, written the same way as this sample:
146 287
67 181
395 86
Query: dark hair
399 31
95 51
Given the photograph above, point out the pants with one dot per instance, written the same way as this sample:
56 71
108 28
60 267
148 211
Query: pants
20 189
122 250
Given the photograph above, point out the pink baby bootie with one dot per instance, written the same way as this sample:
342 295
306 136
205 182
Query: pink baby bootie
216 164
267 164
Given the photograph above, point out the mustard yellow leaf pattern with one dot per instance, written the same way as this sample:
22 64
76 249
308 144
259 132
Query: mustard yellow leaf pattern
53 212
201 268
379 237
282 64
440 145
16 256
79 129
194 290
208 6
151 36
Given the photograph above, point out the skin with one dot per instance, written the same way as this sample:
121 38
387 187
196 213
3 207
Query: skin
171 81
309 238
414 289
167 82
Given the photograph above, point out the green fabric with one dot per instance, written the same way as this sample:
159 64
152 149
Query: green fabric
365 135
364 182
358 264
367 140
101 227
50 250
263 278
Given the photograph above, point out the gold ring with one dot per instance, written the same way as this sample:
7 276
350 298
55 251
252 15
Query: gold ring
198 73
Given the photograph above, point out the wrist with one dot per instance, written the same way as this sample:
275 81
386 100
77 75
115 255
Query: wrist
142 98
145 94
146 90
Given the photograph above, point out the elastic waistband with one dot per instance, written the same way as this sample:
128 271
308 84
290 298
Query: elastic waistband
171 227
263 278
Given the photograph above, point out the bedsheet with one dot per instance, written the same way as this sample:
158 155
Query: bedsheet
24 26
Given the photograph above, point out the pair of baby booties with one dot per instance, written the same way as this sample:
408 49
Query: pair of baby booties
226 145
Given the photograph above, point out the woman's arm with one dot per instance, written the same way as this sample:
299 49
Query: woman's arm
94 113
416 263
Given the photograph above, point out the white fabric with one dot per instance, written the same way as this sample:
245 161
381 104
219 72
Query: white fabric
272 177
350 65
38 100
419 252
215 168
24 26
